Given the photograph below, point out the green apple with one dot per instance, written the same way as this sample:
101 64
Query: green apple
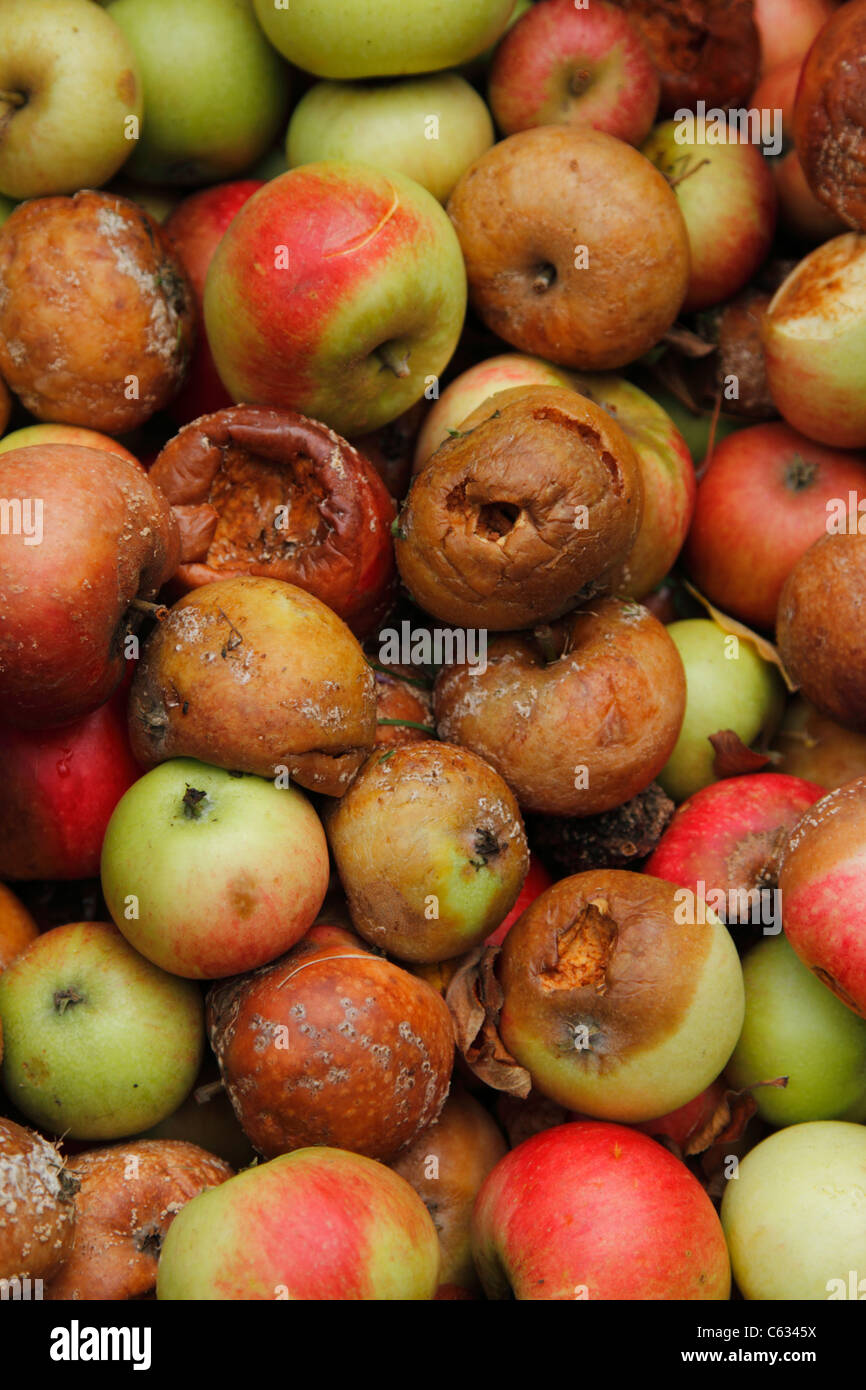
431 128
728 686
318 1224
99 1043
70 97
211 873
795 1214
215 92
381 38
796 1027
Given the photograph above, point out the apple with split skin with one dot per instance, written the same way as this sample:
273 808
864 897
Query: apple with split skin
430 128
99 1042
570 65
227 871
360 300
318 1224
70 97
597 1211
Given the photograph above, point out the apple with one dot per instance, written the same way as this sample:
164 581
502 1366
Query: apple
215 92
537 879
361 292
29 435
794 1027
810 745
815 344
822 868
793 1217
767 470
685 1129
70 97
570 65
209 873
60 787
728 201
318 1224
99 1042
828 115
37 1231
729 686
597 1211
429 128
17 929
345 39
697 427
618 1003
787 28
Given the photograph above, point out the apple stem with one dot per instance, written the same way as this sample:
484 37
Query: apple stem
544 278
64 997
13 98
154 610
391 357
687 173
545 639
202 1094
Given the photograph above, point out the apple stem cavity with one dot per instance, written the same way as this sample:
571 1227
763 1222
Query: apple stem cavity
485 845
544 277
16 99
800 473
546 642
394 358
64 997
194 803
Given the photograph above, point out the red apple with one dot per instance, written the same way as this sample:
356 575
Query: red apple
787 28
195 228
560 64
682 1125
597 1211
768 471
60 787
537 879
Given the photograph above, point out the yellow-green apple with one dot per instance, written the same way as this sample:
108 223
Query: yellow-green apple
597 1211
318 1224
29 435
360 295
793 1217
430 849
729 837
794 1027
815 344
571 65
215 92
728 687
810 745
430 128
727 197
822 867
195 228
70 97
446 1165
621 1000
99 1043
92 536
348 39
210 873
764 470
60 787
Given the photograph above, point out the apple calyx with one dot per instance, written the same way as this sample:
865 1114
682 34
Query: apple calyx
800 473
195 803
64 997
580 81
584 951
485 845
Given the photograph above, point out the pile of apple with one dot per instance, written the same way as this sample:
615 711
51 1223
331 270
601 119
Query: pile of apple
433 742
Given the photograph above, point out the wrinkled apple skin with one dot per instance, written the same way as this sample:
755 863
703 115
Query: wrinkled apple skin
597 1211
617 1007
429 819
821 881
793 1218
108 537
317 1224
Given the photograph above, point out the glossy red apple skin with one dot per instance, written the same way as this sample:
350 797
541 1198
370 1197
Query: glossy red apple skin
537 879
767 471
60 787
823 881
591 1210
564 65
195 229
728 832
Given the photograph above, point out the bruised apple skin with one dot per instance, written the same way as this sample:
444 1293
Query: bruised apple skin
255 675
37 1210
447 1165
127 1198
830 115
97 316
524 513
702 49
617 1007
430 849
108 537
821 879
577 721
820 627
267 492
597 1211
575 246
332 1045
